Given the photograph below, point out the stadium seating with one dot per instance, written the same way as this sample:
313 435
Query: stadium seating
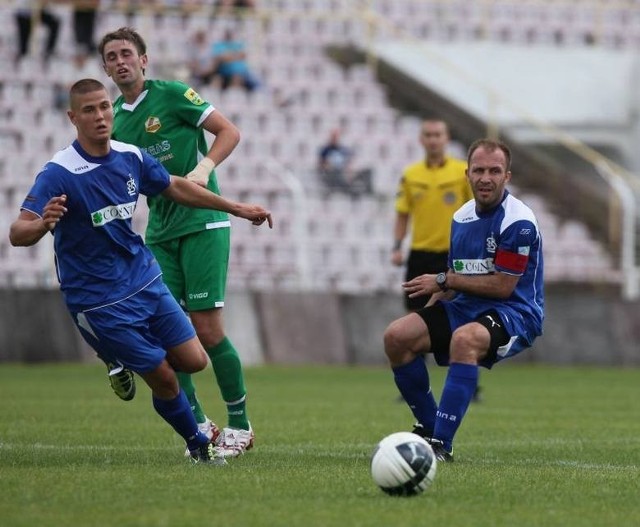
330 242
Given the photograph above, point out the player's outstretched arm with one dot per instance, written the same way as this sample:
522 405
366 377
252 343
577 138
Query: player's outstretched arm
192 195
29 228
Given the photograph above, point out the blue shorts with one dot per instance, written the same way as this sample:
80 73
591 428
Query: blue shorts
443 318
136 331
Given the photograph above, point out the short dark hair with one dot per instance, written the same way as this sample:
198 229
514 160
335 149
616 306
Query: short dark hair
490 145
124 33
82 87
85 86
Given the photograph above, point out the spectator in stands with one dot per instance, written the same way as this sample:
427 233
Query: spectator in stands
488 306
430 191
230 63
335 167
168 119
200 60
28 14
112 286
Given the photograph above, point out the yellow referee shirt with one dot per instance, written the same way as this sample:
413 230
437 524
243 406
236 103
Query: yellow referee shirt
430 195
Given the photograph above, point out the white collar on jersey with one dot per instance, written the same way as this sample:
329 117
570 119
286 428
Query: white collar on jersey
133 106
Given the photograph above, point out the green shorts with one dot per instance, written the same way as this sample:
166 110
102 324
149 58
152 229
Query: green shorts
194 267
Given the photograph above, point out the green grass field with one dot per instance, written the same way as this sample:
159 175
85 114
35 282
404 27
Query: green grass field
547 446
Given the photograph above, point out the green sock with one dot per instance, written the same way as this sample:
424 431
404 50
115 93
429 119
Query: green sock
228 371
190 391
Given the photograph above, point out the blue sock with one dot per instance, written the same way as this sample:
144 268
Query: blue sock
412 380
177 412
457 393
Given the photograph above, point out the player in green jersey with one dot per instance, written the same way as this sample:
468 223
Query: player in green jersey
168 119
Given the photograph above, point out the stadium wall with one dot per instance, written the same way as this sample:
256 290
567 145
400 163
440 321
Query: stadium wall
583 326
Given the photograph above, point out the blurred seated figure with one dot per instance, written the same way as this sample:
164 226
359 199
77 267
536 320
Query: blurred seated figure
336 170
200 60
230 64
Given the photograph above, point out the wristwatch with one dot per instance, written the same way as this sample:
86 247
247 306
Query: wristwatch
441 280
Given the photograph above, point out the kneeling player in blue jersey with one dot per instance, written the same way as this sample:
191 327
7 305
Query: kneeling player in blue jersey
111 282
488 306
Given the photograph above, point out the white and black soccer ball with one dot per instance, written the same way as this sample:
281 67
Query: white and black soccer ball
403 464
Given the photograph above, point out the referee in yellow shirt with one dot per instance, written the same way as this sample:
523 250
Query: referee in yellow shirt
430 191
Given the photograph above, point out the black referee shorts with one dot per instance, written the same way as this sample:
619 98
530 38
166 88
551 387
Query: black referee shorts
419 263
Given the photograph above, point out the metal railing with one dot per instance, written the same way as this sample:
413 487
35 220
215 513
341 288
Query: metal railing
300 220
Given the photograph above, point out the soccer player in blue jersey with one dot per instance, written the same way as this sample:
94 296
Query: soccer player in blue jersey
85 196
487 307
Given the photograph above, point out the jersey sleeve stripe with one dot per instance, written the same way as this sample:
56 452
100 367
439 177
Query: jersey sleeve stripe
204 115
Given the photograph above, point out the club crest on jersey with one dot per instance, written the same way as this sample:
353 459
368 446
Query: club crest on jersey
449 198
131 186
491 244
192 96
152 125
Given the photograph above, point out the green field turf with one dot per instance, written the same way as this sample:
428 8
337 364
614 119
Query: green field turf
546 447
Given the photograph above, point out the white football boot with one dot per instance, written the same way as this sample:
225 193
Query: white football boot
233 442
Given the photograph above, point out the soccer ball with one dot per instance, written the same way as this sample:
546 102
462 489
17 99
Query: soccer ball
403 464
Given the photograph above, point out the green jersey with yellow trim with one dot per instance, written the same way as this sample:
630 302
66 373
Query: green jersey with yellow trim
166 121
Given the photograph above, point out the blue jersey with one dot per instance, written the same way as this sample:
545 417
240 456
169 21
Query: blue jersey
99 258
505 239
